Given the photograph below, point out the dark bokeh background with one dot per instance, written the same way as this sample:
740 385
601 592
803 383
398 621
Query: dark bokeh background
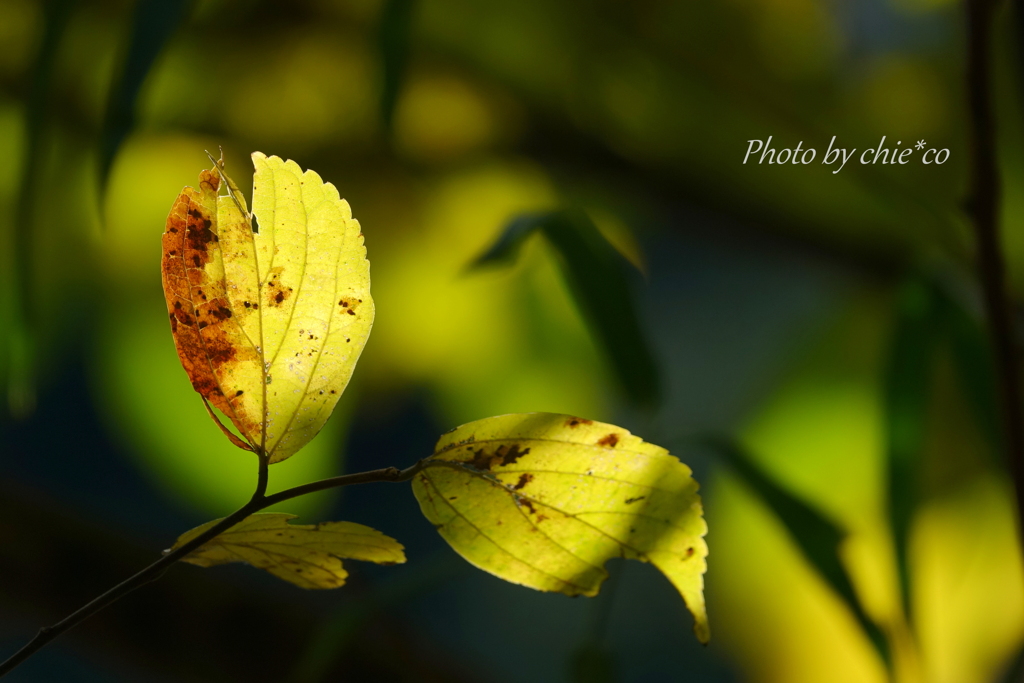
772 299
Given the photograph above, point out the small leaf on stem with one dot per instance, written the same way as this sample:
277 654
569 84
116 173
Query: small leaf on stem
304 554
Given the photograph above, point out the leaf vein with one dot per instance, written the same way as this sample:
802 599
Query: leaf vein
495 543
327 333
199 332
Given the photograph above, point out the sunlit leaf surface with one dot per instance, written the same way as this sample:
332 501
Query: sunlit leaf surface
545 500
304 554
269 313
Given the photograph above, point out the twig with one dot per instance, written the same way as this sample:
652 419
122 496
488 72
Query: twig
389 474
985 197
259 501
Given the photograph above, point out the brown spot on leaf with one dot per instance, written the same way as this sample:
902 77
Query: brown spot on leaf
611 441
221 313
509 454
505 454
577 421
350 305
481 461
209 352
210 178
524 479
276 293
634 500
198 234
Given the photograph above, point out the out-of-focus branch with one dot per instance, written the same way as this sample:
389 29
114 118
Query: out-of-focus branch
984 202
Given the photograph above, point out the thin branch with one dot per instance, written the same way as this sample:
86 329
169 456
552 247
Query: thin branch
985 198
262 479
388 474
150 573
258 502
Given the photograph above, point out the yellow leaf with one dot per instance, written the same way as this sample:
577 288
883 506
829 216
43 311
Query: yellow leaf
308 556
545 500
269 315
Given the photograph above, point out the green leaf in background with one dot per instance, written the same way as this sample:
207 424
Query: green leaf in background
817 537
927 315
153 24
20 389
545 500
908 381
393 35
597 276
506 248
972 358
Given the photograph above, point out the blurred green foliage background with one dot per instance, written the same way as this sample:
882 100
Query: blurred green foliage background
773 299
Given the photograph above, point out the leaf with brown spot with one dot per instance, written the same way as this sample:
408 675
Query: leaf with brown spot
305 554
545 500
237 300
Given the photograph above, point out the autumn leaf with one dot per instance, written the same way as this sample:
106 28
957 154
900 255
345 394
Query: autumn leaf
545 500
308 556
269 310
